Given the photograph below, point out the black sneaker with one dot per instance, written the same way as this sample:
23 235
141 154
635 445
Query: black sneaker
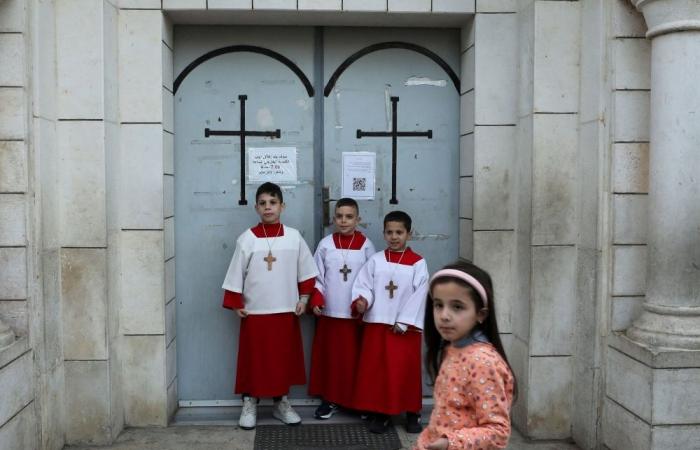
326 410
379 424
413 423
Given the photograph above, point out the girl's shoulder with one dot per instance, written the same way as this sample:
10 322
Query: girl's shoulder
480 353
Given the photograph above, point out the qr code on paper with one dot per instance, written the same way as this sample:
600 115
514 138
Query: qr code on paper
359 184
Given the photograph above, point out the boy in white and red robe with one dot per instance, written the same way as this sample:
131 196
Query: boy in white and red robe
390 291
339 257
268 283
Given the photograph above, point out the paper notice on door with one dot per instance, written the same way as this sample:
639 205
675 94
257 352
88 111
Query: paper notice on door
272 164
359 175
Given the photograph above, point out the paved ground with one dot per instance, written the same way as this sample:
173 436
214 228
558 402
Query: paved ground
219 432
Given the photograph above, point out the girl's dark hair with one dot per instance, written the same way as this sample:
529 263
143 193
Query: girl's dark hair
433 340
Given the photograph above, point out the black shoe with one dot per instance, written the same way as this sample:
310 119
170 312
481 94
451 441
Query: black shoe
413 423
379 424
326 410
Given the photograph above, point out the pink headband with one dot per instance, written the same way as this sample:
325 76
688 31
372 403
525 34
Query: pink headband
470 280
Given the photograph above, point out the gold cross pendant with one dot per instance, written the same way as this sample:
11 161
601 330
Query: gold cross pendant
391 287
269 259
345 271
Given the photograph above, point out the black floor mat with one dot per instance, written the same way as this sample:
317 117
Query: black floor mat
351 436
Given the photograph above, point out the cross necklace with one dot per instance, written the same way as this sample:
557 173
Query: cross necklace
391 287
269 259
345 270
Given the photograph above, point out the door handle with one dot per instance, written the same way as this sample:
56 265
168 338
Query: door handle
326 200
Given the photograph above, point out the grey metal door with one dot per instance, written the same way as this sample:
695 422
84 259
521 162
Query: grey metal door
403 64
208 217
427 169
207 181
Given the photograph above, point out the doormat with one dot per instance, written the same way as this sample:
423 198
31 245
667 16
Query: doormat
336 436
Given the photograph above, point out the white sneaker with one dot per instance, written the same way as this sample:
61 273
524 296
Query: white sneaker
249 413
283 412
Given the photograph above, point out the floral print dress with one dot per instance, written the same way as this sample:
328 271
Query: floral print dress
473 395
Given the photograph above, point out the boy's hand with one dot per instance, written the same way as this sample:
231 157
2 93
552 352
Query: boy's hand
242 313
299 310
361 305
440 444
400 328
317 310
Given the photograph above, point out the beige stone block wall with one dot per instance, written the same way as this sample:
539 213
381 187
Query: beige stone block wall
230 4
651 397
184 4
84 301
169 222
320 5
520 324
13 223
86 113
630 68
87 405
489 75
486 6
81 147
494 252
452 6
145 212
466 140
364 5
18 303
545 200
12 49
144 380
13 166
391 6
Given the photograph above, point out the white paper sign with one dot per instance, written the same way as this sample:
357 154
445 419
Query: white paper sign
359 175
272 164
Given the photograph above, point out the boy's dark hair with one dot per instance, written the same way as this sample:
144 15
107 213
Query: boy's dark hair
271 189
398 216
347 201
434 342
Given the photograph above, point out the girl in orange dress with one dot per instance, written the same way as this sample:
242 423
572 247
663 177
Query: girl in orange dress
475 385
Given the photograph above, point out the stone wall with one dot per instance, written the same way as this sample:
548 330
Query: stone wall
630 72
593 254
31 369
544 245
86 131
18 419
652 370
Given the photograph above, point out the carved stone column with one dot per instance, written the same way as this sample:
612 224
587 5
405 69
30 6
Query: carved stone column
671 316
652 383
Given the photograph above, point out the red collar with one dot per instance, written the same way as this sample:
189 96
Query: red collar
409 257
343 242
271 230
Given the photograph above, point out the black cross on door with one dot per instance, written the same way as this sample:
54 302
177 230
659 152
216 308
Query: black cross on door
394 134
242 133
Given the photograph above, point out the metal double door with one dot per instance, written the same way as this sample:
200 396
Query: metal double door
305 83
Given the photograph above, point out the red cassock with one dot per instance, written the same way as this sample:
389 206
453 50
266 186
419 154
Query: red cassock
334 359
389 375
388 379
270 355
337 337
270 349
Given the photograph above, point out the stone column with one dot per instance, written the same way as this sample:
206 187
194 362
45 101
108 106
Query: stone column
652 387
671 316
